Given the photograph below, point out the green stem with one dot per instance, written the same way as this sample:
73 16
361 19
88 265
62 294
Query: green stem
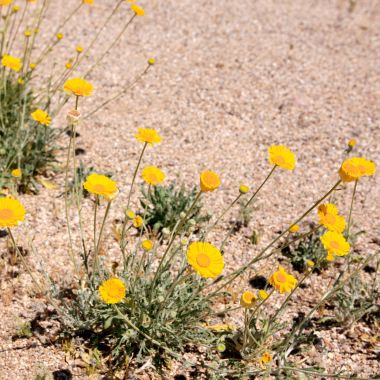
351 209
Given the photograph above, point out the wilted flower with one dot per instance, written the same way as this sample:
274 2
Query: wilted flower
73 117
247 300
137 221
282 156
205 259
112 291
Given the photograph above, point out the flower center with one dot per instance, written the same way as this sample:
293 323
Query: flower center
281 277
352 169
6 213
203 260
210 179
99 188
330 219
280 160
153 178
334 244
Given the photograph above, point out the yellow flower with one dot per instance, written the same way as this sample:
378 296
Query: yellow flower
148 135
78 87
130 214
310 263
294 228
351 143
112 291
247 300
59 36
282 281
263 295
12 212
12 63
101 185
88 1
138 10
20 81
151 61
147 245
79 49
17 173
137 221
335 243
329 218
32 66
205 259
15 9
355 168
209 181
282 156
265 359
41 117
5 2
69 65
243 189
27 33
152 175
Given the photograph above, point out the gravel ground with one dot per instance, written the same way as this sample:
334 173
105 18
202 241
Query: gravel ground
230 80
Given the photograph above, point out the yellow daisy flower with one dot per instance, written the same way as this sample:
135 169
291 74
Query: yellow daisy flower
327 208
78 87
88 1
355 168
151 61
148 135
335 243
351 143
59 36
5 2
138 10
209 181
152 175
265 359
12 63
12 212
137 221
282 156
282 281
205 259
41 117
101 185
147 245
112 291
17 173
247 300
333 222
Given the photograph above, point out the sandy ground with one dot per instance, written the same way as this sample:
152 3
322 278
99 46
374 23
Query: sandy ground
231 79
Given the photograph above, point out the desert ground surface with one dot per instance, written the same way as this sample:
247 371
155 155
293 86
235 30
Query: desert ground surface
231 79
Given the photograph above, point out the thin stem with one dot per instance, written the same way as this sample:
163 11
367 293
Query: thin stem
351 209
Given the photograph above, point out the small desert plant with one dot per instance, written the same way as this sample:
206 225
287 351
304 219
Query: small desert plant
164 205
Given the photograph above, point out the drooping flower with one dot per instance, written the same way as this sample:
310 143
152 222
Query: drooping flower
335 243
138 10
351 143
356 167
148 135
282 281
12 212
205 259
209 181
101 185
112 291
152 175
282 156
147 245
137 221
243 189
41 117
78 87
248 300
17 173
12 63
294 228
